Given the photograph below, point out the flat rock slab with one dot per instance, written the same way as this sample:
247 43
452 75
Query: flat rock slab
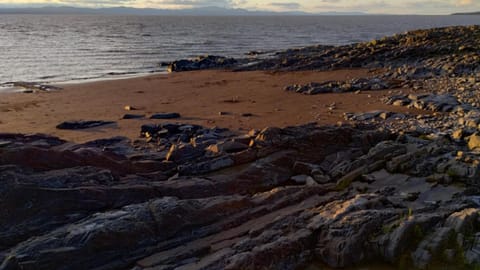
73 125
4 143
165 116
133 116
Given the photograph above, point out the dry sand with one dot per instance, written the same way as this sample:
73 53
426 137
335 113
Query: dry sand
198 96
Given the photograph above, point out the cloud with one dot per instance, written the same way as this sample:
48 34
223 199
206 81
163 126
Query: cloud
289 5
465 2
132 3
365 6
397 7
96 2
189 3
369 6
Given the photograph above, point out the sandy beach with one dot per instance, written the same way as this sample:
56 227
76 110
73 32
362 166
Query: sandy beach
199 96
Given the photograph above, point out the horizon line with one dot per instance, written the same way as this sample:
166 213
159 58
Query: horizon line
289 13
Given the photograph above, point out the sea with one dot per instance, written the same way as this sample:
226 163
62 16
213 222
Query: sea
71 48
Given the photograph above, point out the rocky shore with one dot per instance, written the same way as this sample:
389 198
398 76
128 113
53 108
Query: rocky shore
389 187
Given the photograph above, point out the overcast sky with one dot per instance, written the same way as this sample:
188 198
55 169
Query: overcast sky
370 6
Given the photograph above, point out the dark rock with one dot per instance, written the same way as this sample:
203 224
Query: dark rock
208 166
227 147
133 116
4 143
165 116
339 86
183 152
150 129
72 125
202 62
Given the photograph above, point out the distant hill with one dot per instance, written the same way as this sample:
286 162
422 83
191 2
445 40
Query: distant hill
203 11
467 13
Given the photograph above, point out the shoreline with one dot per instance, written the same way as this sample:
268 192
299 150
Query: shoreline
19 89
208 98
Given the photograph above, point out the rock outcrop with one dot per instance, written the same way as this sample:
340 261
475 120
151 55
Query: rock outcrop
340 195
202 62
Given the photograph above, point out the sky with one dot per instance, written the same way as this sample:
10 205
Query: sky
368 6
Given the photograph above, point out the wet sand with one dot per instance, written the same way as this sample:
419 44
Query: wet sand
198 96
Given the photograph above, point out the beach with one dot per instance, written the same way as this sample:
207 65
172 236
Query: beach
198 96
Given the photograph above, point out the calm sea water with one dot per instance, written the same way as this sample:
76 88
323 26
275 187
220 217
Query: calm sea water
63 48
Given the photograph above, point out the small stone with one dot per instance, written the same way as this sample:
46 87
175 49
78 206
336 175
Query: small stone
129 108
457 134
417 96
246 114
253 133
311 182
385 115
300 179
474 142
321 178
400 102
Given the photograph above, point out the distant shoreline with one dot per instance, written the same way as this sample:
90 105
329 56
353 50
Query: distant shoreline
203 11
467 13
